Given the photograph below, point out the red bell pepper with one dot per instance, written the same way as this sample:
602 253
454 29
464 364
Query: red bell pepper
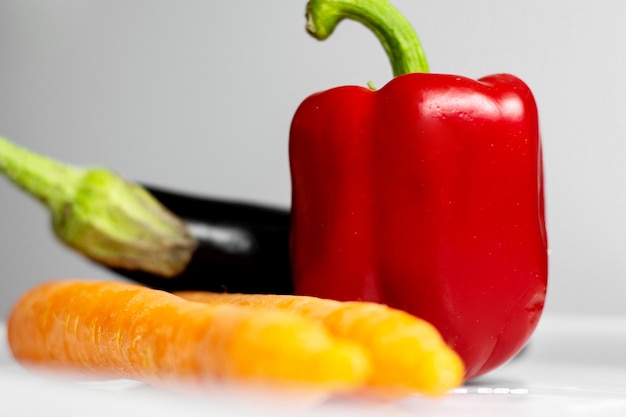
425 195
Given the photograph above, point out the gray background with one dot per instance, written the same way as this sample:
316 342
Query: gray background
198 96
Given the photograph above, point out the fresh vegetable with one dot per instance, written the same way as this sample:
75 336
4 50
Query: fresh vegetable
408 354
114 329
108 219
425 195
160 238
241 247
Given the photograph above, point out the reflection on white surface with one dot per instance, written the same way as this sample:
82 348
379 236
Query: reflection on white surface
574 366
491 390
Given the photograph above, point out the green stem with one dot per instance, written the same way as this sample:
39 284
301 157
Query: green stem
49 181
390 27
101 215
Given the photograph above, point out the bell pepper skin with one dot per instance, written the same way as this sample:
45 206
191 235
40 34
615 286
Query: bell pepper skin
425 195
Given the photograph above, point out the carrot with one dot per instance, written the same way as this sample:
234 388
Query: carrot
408 354
124 330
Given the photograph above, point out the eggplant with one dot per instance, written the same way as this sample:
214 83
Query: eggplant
157 237
241 247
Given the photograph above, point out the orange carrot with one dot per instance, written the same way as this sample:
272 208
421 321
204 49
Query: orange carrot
408 354
128 331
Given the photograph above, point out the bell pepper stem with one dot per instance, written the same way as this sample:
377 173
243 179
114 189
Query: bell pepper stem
98 213
392 29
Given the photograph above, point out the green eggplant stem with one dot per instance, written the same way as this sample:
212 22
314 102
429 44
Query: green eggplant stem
394 32
43 178
96 212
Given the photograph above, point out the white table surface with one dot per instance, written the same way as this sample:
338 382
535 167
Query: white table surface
574 366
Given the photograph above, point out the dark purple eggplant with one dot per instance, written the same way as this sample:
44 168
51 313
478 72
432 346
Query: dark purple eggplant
242 247
153 236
